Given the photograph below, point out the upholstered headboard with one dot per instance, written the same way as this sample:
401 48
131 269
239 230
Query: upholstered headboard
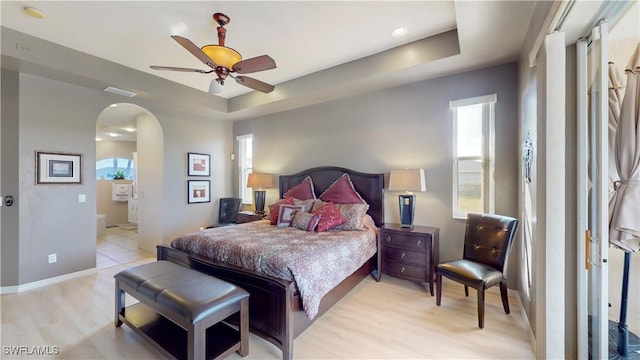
369 186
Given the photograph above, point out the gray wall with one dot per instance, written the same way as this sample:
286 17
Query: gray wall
404 127
9 178
43 114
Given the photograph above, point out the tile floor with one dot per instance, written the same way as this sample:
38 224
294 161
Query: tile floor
119 246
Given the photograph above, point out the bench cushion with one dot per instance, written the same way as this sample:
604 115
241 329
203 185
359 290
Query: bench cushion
192 294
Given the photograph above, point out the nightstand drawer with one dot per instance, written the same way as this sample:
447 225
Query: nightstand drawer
405 256
405 271
404 241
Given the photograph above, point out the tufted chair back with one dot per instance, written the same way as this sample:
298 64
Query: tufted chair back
488 239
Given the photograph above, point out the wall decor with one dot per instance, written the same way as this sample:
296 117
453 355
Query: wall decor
198 191
58 168
198 164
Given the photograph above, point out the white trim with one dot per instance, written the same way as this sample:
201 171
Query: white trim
582 191
527 324
50 281
472 101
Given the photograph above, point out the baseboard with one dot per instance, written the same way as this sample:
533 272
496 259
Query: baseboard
40 283
525 319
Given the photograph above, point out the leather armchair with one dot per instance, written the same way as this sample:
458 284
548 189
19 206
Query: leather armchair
487 243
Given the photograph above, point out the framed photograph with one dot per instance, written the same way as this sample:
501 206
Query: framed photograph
58 168
198 164
198 191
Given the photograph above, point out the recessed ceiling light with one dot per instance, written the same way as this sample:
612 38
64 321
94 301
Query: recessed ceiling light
399 31
33 12
114 134
129 129
98 139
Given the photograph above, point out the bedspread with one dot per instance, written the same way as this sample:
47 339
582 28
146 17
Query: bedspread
317 262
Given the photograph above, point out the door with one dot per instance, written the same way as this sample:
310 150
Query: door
593 213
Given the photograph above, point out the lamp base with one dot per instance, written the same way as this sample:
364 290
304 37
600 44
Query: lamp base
407 207
258 199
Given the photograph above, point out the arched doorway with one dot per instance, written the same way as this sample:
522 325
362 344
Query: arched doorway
129 142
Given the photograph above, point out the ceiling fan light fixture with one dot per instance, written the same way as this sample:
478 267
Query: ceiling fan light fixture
222 55
215 87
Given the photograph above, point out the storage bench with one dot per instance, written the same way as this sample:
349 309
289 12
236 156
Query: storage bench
181 311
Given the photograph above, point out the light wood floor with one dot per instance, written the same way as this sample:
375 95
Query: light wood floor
393 319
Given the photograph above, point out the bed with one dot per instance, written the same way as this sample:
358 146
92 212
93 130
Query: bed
276 310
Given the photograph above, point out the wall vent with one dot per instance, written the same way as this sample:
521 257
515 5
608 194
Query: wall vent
115 90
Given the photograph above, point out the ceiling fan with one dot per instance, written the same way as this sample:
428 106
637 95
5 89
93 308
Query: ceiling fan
225 61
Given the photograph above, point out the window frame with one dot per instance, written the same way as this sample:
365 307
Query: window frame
487 158
244 159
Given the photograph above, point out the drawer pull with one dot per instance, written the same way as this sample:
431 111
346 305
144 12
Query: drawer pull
388 238
402 256
419 243
402 270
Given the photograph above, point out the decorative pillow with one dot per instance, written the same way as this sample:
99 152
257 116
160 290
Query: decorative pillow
342 192
330 217
274 209
287 212
317 204
355 215
302 191
306 204
305 221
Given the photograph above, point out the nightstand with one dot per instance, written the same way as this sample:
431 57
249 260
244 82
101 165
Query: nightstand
410 254
248 216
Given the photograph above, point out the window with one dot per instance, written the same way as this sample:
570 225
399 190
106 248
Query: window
473 151
245 166
107 168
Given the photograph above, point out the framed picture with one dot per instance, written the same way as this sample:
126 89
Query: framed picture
198 191
198 164
58 168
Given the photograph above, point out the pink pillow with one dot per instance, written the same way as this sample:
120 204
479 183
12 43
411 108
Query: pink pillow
330 217
274 209
342 192
302 191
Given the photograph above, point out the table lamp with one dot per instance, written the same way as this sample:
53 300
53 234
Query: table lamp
258 182
407 180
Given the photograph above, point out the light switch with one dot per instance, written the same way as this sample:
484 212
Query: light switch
82 198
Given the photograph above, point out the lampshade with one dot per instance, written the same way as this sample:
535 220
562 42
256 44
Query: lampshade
215 87
407 180
260 180
222 55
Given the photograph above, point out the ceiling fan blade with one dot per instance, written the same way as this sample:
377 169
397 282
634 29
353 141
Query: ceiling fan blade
258 63
254 84
194 49
154 67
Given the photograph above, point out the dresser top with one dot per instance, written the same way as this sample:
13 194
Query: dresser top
416 228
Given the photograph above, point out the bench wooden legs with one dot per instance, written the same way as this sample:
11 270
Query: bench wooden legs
119 304
244 327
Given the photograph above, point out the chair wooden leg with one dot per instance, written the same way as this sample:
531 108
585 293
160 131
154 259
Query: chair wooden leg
481 308
505 298
466 291
438 288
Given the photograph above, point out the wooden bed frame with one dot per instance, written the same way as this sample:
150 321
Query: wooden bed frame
275 309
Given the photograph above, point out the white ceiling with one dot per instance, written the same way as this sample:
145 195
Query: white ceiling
305 38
